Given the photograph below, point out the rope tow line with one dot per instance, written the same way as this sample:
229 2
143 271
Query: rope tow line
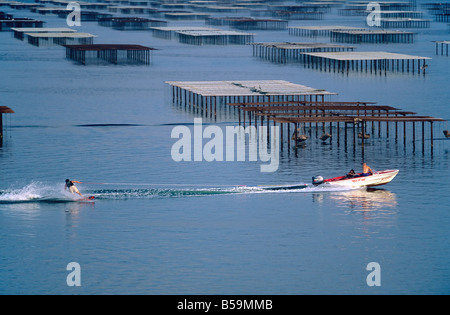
178 185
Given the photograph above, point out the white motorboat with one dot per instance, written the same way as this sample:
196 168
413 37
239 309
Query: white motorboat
359 180
356 181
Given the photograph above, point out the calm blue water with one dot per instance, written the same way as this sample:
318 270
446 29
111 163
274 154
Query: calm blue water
161 227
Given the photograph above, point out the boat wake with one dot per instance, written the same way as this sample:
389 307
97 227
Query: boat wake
37 192
41 193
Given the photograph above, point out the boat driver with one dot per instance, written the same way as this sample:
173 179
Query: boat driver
367 171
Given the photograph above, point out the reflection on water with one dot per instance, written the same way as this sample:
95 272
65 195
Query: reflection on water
25 211
35 211
73 212
74 208
365 200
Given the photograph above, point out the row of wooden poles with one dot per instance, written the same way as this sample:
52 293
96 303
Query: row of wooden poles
248 23
364 65
212 39
353 37
211 105
312 112
293 15
282 53
6 25
442 48
51 41
110 55
442 17
359 115
405 23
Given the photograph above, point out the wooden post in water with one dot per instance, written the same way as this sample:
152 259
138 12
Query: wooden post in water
423 137
432 141
404 134
289 135
345 133
1 129
3 110
338 134
281 136
354 134
363 133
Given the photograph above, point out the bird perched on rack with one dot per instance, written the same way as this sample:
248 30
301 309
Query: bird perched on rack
446 133
325 137
298 136
366 136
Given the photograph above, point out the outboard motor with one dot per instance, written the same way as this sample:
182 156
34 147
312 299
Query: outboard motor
317 180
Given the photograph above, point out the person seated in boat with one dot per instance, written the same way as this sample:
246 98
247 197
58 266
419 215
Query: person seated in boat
351 174
367 171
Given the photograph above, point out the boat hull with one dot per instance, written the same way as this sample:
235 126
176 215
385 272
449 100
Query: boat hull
377 179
